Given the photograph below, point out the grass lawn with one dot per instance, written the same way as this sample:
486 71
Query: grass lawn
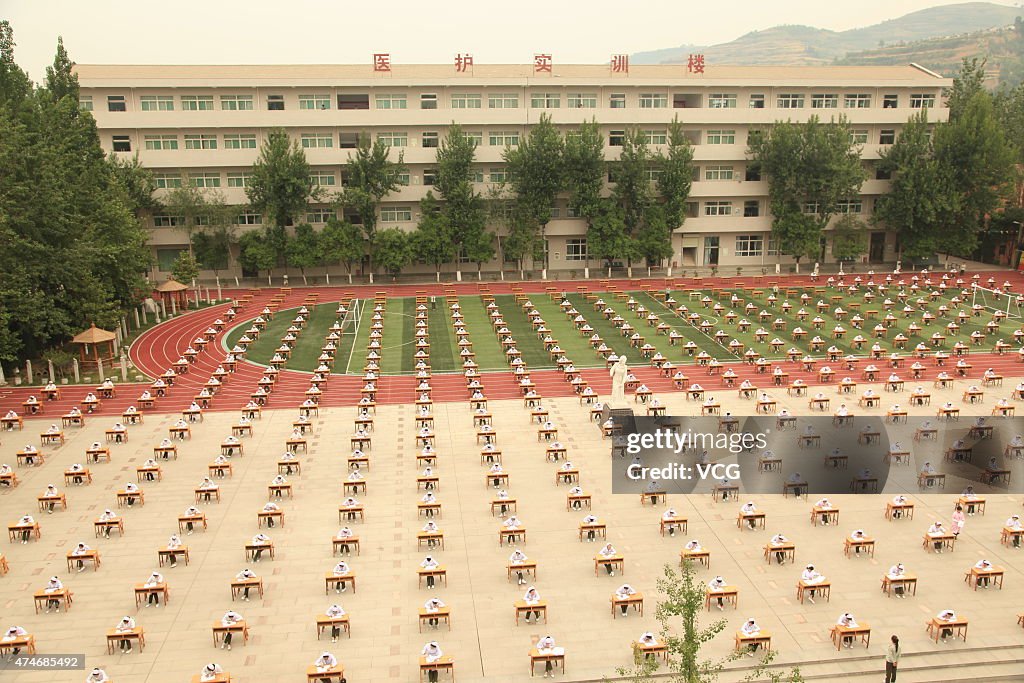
489 355
444 354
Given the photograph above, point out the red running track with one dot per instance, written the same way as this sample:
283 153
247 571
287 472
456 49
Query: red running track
156 349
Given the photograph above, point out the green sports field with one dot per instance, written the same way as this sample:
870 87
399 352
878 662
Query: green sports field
399 329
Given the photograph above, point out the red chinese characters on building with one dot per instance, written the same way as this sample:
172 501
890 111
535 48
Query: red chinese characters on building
620 64
542 63
695 64
382 61
463 62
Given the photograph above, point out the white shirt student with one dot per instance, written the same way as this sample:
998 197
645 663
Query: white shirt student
210 672
97 675
749 509
811 577
127 624
431 652
846 619
623 592
516 559
717 584
325 662
751 629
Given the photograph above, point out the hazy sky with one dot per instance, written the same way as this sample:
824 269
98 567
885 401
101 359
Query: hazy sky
321 31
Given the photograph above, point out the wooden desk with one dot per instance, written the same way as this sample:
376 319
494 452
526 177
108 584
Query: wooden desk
58 498
315 674
636 601
162 452
974 577
104 527
142 473
975 504
351 512
612 561
124 496
599 528
57 438
744 519
429 510
853 547
14 531
730 594
905 509
30 458
207 494
724 491
554 656
266 516
745 641
510 536
220 470
425 538
142 592
441 614
679 522
220 630
524 608
862 631
166 554
1009 534
115 636
324 622
509 503
63 596
527 567
26 642
946 540
908 582
701 556
238 586
937 479
93 555
823 588
444 663
438 572
788 550
958 626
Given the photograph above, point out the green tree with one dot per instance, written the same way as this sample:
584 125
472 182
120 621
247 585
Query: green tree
61 81
433 241
632 191
922 197
607 238
304 249
535 175
256 254
973 148
811 167
280 188
585 170
136 182
342 242
188 203
675 177
849 238
394 250
463 209
653 241
969 82
185 268
371 177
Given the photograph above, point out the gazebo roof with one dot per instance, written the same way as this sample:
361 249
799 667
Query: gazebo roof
94 335
171 285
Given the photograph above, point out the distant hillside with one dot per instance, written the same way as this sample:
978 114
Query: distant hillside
806 45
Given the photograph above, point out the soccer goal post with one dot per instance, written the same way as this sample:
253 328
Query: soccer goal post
996 300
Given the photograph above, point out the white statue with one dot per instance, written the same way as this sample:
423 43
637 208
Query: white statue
618 373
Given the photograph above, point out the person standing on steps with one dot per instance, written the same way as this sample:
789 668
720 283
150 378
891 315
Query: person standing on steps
892 659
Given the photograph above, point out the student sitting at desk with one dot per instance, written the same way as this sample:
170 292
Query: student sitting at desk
154 579
946 615
591 533
230 618
27 521
1014 523
576 491
857 535
13 633
622 593
52 493
165 448
848 621
693 546
748 509
78 551
127 624
671 521
53 586
928 474
433 606
431 653
5 469
811 577
30 452
430 499
970 495
247 573
898 500
937 529
173 543
532 597
431 528
608 551
428 563
717 584
518 558
647 639
97 675
897 571
751 630
207 488
983 565
777 540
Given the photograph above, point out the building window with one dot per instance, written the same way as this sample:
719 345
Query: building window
239 179
751 208
322 178
476 176
503 138
886 137
430 177
317 140
581 100
922 101
348 140
890 101
717 208
749 245
236 102
718 173
204 179
467 101
653 100
811 208
503 100
200 142
154 143
395 214
545 100
576 249
116 103
166 221
428 101
883 174
353 101
692 209
393 139
239 141
85 102
617 100
752 173
859 136
275 102
389 101
315 101
497 175
403 179
857 101
476 137
849 206
167 181
157 102
616 138
572 212
824 101
122 143
790 101
249 218
319 215
197 102
655 137
430 139
721 137
722 100
773 247
756 102
654 174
